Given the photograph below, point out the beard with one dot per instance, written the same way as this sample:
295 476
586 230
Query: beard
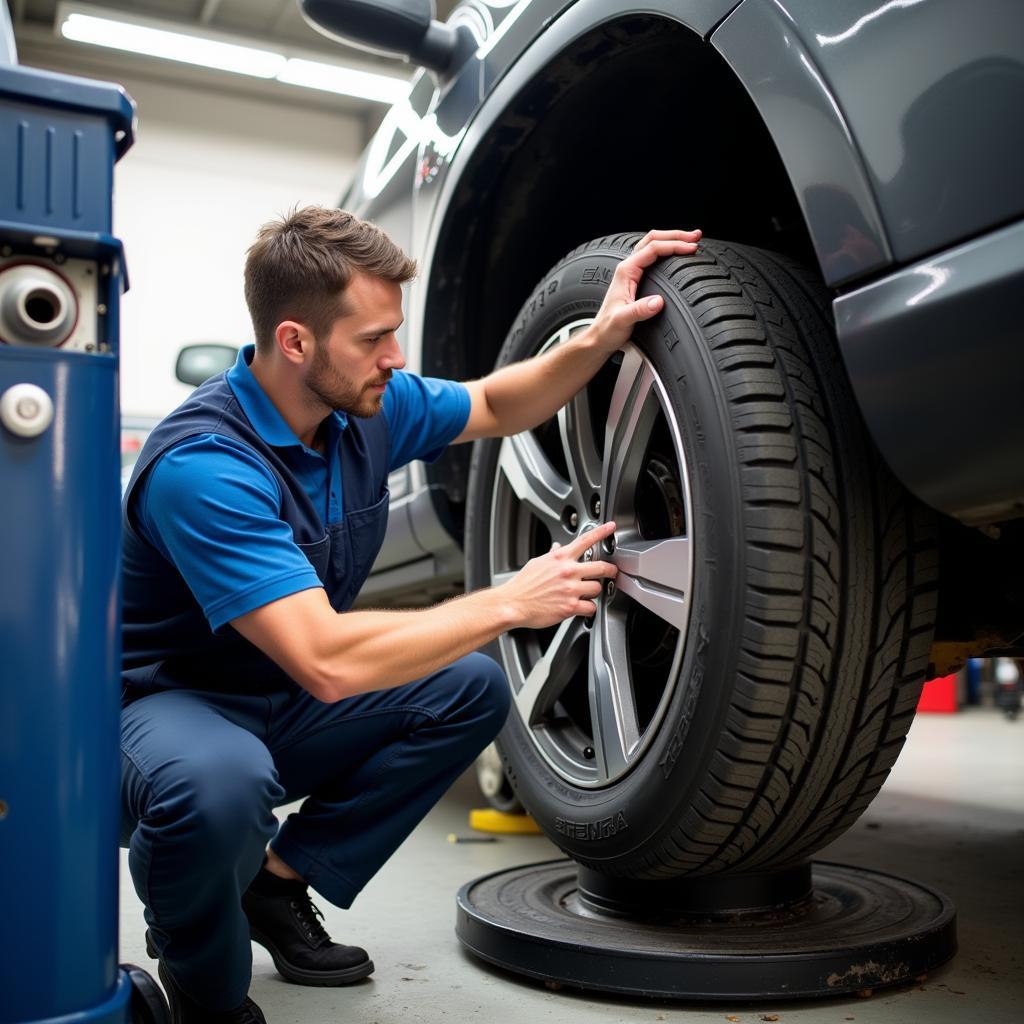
339 392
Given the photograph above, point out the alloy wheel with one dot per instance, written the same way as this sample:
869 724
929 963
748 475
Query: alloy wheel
592 692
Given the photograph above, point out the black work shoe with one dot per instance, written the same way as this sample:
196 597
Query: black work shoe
285 921
187 1011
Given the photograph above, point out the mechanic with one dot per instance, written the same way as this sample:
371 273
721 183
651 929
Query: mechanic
252 518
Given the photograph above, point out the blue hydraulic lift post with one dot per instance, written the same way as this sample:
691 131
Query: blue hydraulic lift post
61 278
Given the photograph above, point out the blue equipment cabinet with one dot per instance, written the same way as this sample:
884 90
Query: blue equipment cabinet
61 278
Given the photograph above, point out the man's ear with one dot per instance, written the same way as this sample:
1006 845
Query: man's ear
294 341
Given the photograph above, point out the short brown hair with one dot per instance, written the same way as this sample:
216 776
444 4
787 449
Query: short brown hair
299 266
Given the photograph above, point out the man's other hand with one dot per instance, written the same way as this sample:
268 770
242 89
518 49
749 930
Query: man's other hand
557 585
620 309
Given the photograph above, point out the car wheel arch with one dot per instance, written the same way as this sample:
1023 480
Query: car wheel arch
483 252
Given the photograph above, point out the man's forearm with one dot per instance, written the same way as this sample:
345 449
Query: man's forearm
523 395
339 654
375 650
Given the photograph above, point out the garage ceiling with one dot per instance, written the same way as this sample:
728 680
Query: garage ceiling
257 22
262 20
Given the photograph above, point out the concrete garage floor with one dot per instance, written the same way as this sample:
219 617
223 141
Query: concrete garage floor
951 816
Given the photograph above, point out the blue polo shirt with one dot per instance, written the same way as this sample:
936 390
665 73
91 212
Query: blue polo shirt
211 506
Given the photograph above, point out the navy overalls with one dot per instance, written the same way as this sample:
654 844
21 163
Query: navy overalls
214 735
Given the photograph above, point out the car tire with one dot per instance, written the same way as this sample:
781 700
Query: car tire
744 690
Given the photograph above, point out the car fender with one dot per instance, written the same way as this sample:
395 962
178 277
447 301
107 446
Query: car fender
917 100
892 121
767 53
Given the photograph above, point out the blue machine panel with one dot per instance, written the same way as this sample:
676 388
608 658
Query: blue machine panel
59 549
59 758
60 141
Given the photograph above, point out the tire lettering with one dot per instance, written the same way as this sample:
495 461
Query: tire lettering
592 275
603 828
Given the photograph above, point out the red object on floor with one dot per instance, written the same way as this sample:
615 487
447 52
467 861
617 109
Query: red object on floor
939 695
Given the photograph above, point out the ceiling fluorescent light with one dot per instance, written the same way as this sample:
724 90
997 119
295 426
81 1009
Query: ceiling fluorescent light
189 49
104 27
348 81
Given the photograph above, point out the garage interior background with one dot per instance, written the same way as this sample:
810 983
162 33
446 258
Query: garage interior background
216 155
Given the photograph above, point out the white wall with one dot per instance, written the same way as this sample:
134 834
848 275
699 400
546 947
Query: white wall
207 169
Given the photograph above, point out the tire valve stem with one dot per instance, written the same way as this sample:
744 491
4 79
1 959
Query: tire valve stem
588 753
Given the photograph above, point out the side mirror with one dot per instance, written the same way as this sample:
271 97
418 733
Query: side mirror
403 27
197 363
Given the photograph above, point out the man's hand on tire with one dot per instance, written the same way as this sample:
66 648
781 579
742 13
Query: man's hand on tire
620 310
555 586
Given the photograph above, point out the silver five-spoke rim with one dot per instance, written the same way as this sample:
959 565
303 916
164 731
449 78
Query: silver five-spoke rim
592 693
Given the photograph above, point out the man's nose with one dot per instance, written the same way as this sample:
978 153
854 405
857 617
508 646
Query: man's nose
393 358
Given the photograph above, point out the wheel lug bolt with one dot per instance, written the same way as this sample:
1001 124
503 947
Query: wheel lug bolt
595 506
588 753
574 520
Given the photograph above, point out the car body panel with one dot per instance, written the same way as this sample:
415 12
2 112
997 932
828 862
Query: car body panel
933 92
899 124
861 101
814 140
929 95
935 354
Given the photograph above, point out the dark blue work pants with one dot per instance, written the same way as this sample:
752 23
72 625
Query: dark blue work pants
202 772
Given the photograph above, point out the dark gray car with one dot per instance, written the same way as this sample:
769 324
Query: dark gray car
814 454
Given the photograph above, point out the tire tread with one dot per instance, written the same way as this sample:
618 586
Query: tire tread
802 756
